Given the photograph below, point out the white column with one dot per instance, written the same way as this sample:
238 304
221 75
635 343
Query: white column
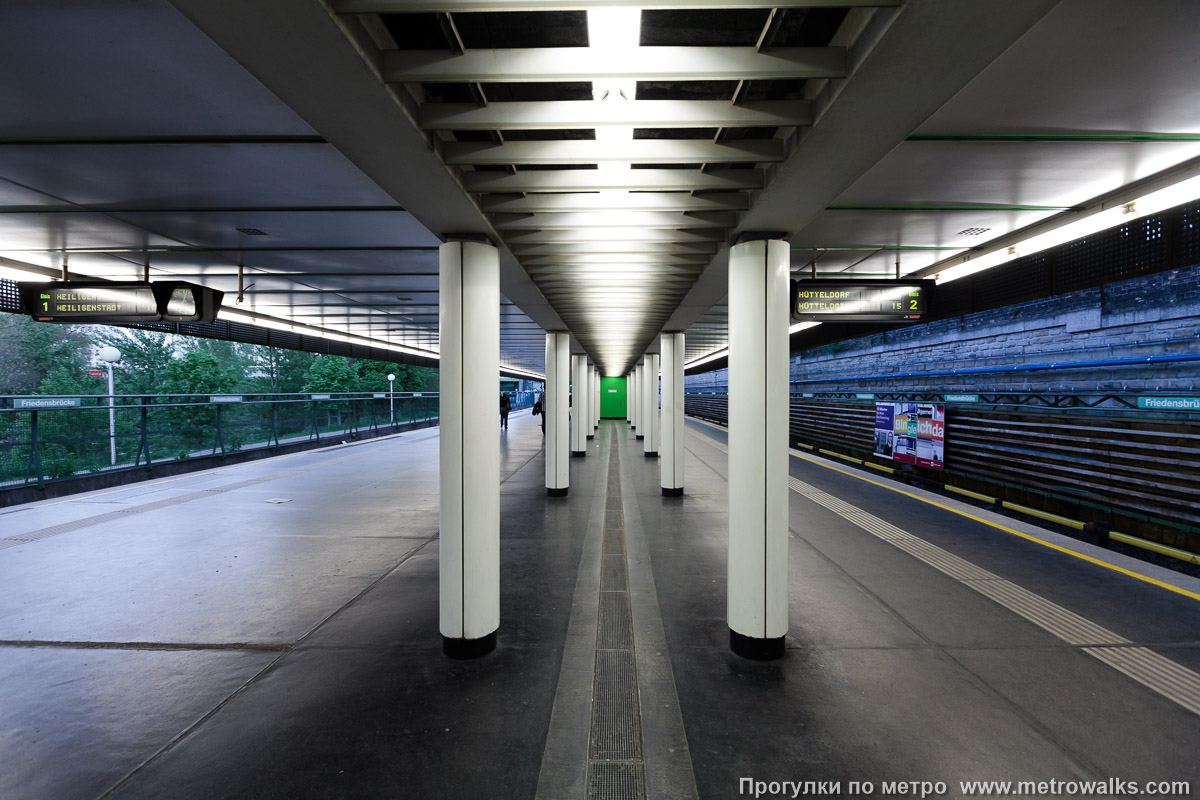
637 400
579 406
554 406
469 544
758 459
650 430
629 397
671 450
596 398
591 395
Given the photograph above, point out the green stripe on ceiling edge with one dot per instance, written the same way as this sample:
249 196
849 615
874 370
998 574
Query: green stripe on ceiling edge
962 207
1055 137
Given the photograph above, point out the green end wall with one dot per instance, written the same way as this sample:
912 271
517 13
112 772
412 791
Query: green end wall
612 398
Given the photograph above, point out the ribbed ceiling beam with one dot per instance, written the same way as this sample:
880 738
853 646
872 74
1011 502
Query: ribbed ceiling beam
469 6
628 235
636 151
559 64
635 201
580 114
614 219
584 180
531 263
614 248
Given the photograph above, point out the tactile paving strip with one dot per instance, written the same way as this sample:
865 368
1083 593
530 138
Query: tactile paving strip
616 782
615 767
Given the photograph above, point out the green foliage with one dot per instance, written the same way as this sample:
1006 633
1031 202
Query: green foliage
145 356
331 374
198 373
373 377
276 371
30 351
201 374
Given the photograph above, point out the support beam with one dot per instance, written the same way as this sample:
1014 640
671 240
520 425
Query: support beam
690 234
589 387
469 6
554 411
559 64
649 220
671 450
629 397
650 421
656 259
758 458
634 151
591 180
594 403
637 399
583 114
469 470
604 249
634 201
579 410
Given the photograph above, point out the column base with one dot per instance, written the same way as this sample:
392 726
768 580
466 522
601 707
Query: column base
578 453
639 436
677 492
560 492
651 454
755 649
469 648
591 436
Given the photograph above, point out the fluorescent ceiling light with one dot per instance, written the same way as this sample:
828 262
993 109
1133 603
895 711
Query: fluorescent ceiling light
724 351
1103 218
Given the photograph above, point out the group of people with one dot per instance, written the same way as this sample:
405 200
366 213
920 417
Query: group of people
538 410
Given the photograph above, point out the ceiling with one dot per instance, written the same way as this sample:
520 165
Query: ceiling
614 151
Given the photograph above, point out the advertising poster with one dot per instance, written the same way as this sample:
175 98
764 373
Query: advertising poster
911 433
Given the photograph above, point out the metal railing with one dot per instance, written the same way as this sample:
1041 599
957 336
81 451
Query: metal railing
47 438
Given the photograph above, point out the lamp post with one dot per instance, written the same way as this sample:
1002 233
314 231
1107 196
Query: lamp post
110 356
391 398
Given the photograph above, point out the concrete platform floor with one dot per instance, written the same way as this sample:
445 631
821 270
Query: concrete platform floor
269 630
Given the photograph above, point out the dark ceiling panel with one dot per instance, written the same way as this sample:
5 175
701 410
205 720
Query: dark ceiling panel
522 29
561 90
416 31
727 27
686 90
813 27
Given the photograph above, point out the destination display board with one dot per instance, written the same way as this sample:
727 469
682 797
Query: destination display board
824 300
115 301
911 433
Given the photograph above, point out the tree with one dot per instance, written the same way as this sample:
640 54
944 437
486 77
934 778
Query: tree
278 371
409 378
199 374
31 351
145 357
331 374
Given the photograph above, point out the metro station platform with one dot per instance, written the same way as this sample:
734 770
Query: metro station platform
270 630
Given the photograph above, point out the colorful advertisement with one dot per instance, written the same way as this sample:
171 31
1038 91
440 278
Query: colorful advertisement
911 433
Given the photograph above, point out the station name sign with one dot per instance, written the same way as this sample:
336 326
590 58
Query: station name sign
822 300
120 301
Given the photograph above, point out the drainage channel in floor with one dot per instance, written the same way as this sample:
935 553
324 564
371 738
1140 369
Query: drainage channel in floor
616 770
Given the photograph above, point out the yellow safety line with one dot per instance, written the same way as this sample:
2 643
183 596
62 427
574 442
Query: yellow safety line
1026 536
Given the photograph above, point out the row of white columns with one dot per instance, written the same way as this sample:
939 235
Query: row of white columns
758 462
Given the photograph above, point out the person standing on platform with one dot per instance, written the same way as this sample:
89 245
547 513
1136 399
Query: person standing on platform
540 409
505 407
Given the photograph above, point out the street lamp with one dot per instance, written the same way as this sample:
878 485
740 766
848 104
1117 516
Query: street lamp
391 400
110 356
